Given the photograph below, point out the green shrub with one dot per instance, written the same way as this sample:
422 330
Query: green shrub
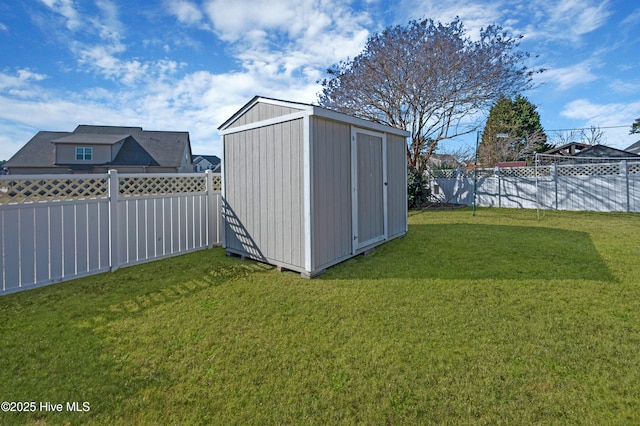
417 189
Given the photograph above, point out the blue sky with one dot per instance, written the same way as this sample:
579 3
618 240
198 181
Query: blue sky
188 65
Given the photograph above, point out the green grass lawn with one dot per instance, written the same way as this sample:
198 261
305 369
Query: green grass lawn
498 318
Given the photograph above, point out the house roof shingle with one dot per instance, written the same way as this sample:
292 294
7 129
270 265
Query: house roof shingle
635 148
140 147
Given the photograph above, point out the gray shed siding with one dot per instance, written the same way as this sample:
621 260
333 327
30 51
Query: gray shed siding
397 185
260 112
264 194
288 190
331 182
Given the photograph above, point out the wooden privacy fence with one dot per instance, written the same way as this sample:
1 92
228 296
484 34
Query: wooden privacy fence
605 187
59 227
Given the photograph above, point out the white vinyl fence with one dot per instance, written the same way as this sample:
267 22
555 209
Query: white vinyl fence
59 227
605 187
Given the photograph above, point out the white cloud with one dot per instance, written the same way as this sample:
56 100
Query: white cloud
235 19
21 85
625 87
3 27
473 14
607 114
22 77
284 40
67 10
186 11
104 54
103 59
541 19
633 18
107 24
567 20
568 77
614 118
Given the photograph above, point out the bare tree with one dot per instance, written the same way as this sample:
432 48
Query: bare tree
504 147
592 136
429 79
564 137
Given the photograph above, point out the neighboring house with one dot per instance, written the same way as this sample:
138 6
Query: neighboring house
97 149
635 148
602 151
576 151
568 150
202 163
444 161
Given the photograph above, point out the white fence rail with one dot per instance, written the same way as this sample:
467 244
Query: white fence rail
605 187
59 227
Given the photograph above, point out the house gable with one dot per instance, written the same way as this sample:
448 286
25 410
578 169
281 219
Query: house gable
102 148
206 162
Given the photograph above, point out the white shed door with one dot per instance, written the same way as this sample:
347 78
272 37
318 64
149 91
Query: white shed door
368 177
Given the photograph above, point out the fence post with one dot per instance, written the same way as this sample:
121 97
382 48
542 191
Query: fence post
496 173
211 210
554 174
624 171
114 243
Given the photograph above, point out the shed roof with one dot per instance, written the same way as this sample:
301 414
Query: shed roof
304 110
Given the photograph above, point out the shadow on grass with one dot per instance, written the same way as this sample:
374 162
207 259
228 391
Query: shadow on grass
58 343
472 251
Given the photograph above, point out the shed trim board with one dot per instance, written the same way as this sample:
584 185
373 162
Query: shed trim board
314 255
307 110
307 153
264 123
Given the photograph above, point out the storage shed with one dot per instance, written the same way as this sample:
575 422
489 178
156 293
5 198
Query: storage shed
305 187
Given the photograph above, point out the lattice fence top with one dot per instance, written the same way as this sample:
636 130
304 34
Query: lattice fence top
518 172
217 182
601 169
589 169
142 185
482 173
33 189
24 189
444 174
543 171
633 168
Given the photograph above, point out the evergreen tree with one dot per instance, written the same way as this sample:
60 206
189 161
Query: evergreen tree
512 133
